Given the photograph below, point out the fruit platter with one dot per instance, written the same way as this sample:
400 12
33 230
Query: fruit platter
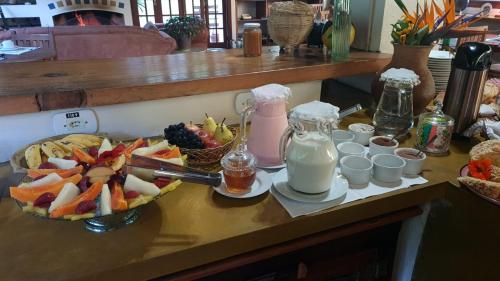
82 177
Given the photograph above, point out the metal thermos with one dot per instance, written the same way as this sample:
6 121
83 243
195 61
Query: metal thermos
465 86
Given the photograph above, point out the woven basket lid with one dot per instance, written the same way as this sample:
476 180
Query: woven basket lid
292 8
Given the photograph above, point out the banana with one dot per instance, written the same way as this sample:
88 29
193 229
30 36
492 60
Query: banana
64 147
84 140
52 150
33 157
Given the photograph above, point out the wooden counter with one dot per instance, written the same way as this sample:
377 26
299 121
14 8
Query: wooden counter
190 227
37 86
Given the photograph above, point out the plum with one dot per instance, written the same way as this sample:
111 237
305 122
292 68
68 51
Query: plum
85 207
44 200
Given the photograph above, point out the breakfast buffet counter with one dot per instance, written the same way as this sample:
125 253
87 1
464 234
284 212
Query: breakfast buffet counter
194 226
39 86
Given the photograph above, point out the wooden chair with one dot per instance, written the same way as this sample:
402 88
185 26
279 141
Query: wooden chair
468 34
44 41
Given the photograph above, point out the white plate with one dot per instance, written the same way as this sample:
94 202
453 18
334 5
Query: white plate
10 49
263 182
435 54
338 189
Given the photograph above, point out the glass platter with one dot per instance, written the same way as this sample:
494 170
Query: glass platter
95 224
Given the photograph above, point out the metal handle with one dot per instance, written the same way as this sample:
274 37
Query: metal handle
350 110
212 179
284 141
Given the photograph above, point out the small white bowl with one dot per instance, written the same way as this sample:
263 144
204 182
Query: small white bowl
356 169
388 167
350 148
375 148
362 132
413 166
340 136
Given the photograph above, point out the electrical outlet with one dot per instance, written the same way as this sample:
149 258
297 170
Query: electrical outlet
241 102
78 121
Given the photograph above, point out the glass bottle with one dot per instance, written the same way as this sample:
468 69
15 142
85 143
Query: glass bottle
239 164
341 29
394 114
434 132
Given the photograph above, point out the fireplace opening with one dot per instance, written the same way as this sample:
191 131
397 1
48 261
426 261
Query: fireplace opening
88 18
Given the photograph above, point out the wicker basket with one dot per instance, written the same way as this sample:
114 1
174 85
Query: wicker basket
209 156
290 23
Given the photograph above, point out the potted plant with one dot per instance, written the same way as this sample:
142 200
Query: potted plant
413 37
182 29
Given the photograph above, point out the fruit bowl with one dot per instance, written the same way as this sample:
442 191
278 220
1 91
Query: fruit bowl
207 156
90 184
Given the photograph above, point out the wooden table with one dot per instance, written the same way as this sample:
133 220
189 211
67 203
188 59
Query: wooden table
38 86
194 226
42 54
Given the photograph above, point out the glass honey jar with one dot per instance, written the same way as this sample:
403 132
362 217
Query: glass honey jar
252 40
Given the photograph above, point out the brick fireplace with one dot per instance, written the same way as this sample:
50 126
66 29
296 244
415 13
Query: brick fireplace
74 12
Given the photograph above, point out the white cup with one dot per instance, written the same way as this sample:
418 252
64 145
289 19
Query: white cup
350 148
356 169
8 44
340 136
375 149
413 166
362 132
388 167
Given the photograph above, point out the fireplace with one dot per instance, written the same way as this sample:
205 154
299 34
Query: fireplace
67 12
89 17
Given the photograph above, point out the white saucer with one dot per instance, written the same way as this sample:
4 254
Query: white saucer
281 166
263 182
338 189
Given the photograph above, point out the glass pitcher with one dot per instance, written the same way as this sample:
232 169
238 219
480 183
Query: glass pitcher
311 156
394 114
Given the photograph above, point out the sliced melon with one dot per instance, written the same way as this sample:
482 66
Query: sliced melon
67 194
133 183
105 200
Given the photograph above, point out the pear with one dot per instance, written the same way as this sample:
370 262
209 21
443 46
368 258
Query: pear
222 133
209 125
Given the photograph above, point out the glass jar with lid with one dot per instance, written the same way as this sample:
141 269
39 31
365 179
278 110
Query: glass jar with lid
394 115
252 40
434 132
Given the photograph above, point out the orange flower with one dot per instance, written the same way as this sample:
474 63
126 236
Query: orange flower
480 169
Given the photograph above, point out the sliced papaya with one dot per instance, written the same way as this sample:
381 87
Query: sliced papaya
168 153
64 173
137 143
83 156
118 202
90 194
31 194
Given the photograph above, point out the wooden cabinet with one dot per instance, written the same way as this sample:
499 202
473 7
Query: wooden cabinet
257 10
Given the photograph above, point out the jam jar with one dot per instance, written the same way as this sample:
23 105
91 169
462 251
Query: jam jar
252 40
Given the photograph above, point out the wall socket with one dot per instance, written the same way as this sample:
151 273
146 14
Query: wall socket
78 121
241 102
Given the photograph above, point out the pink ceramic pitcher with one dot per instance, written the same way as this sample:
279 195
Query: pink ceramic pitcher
268 122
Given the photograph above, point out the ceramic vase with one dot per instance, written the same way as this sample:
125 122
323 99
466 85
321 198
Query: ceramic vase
184 42
414 58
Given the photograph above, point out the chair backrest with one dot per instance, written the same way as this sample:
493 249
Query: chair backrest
472 34
45 41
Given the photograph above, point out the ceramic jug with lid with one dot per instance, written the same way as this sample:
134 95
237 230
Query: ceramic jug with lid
268 122
311 156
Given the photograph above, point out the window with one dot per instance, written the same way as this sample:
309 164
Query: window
215 12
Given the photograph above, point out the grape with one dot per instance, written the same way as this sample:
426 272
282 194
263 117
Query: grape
47 165
44 200
93 151
181 136
84 184
85 207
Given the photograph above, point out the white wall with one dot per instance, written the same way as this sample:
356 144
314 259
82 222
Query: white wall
138 119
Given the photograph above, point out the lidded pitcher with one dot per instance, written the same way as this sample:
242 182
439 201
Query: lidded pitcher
269 121
311 156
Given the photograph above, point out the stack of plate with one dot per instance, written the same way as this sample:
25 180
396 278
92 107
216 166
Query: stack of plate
440 66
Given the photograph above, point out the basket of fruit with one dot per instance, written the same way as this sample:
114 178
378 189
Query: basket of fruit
203 144
82 177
